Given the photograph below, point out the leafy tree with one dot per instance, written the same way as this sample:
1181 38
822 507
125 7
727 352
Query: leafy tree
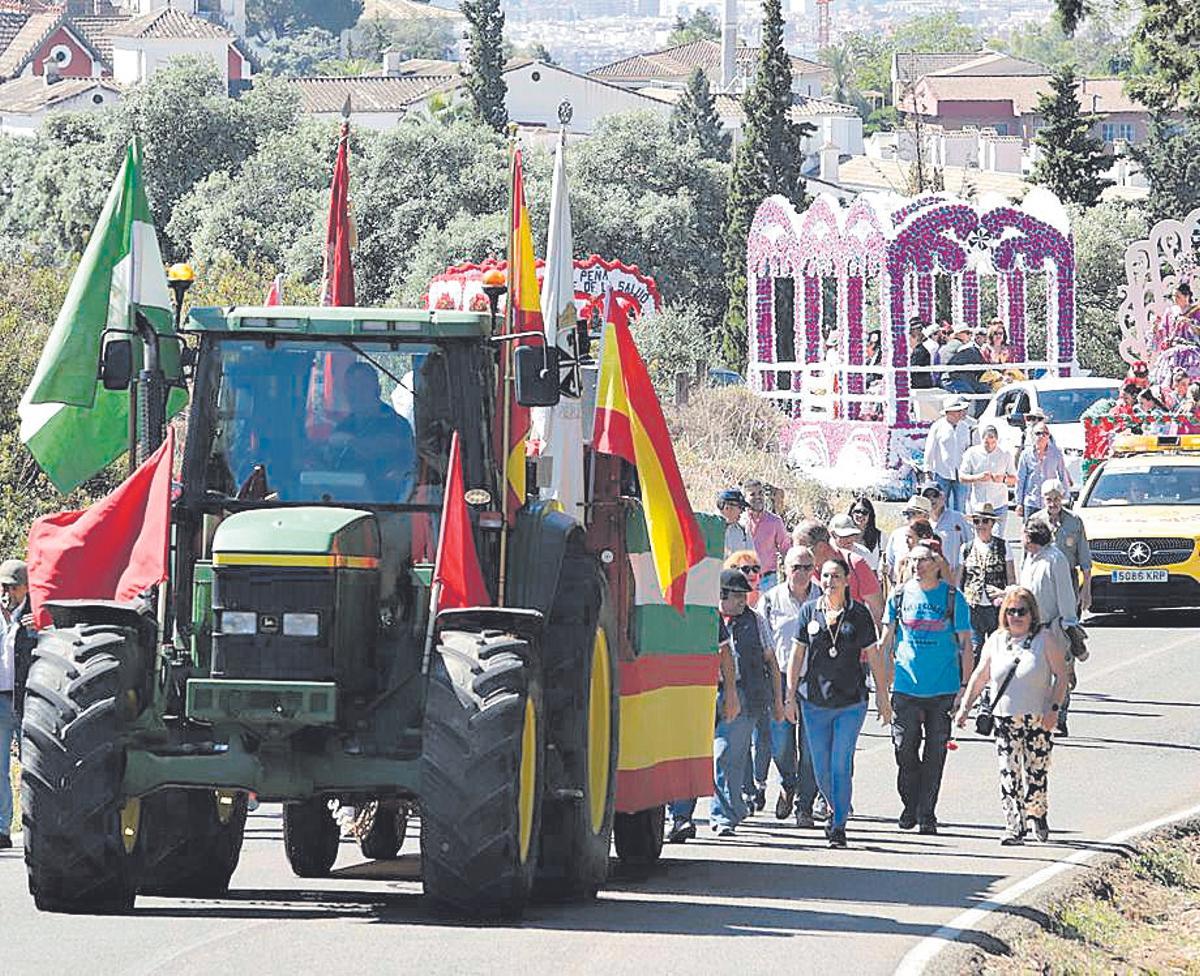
767 161
1171 165
299 54
485 60
1097 48
839 59
281 17
670 341
695 117
1071 159
701 26
1167 39
413 37
539 52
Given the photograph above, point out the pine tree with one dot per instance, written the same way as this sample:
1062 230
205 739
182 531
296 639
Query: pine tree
695 118
1070 160
1171 166
485 59
767 160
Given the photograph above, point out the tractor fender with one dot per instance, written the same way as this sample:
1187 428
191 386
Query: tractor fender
535 555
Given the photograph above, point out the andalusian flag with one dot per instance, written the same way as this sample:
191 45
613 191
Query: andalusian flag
525 315
630 424
71 424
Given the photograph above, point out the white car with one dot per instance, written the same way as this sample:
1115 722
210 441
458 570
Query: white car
1062 399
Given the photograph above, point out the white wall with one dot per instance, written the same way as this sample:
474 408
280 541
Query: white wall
136 59
535 102
28 125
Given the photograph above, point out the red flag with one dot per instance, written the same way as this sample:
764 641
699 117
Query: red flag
275 293
457 563
337 280
111 551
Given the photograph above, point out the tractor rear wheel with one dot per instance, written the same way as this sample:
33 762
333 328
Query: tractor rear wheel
481 773
191 842
310 837
639 836
79 833
582 714
381 826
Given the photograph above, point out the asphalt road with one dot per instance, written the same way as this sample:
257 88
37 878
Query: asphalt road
773 899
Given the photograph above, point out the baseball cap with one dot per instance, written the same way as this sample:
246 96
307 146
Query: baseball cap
918 504
732 495
843 525
734 581
14 572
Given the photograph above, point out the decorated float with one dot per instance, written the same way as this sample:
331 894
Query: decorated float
819 282
1159 324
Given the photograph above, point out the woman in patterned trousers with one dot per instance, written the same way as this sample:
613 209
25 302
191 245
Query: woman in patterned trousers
1025 669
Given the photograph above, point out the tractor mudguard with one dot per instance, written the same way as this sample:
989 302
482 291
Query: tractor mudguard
535 554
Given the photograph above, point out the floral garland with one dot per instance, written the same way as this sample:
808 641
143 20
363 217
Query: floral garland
853 318
1015 300
970 298
925 297
812 319
764 305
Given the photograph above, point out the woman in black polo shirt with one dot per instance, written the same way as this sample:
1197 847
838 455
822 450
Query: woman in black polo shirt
826 681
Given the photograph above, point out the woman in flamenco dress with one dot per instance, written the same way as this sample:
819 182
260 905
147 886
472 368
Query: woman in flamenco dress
1177 338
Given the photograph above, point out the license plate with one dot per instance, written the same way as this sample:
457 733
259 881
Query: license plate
1139 575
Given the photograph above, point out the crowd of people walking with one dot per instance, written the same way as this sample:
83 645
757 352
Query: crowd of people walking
928 623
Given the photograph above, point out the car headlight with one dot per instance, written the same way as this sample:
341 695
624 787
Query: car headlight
239 622
301 624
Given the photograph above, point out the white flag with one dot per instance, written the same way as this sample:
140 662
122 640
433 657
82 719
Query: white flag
561 426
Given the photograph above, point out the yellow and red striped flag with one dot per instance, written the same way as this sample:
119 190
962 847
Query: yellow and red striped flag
629 423
525 315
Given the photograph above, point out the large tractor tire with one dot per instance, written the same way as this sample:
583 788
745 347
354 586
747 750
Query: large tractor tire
481 774
381 826
310 837
191 842
639 836
80 836
582 716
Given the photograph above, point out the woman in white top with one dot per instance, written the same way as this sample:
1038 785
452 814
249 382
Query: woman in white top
1025 669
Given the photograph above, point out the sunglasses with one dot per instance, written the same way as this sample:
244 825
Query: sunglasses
800 566
860 511
982 521
750 569
1041 433
1017 612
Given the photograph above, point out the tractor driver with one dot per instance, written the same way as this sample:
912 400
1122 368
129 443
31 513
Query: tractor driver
373 438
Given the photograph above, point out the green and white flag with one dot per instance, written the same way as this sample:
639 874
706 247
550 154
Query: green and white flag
71 424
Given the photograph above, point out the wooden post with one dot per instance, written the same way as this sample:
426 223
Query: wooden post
681 389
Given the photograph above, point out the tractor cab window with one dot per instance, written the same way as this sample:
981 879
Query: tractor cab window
329 421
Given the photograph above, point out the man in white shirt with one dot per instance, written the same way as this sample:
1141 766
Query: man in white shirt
1045 573
731 503
945 445
780 610
951 527
988 473
896 549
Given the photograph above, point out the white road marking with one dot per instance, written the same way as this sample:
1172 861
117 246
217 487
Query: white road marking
924 952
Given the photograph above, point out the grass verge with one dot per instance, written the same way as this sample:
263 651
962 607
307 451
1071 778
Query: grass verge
1139 915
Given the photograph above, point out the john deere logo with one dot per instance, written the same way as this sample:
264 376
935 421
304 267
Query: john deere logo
1139 553
477 496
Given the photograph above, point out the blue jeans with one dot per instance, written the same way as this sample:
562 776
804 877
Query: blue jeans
955 492
833 733
8 730
806 780
731 753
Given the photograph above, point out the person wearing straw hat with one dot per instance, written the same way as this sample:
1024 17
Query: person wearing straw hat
945 446
987 569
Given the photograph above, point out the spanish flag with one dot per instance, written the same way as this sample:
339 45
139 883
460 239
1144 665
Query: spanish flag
629 423
525 315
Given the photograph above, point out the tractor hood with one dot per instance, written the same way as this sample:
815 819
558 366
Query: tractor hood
306 536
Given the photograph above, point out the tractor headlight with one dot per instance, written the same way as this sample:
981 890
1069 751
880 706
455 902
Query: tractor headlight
239 622
301 624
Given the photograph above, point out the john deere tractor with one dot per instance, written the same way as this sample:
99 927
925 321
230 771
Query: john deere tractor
292 655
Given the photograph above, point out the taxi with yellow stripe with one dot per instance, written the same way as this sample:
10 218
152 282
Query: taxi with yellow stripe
1141 511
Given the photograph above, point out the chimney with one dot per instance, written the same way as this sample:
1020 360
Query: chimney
50 74
391 63
830 162
728 45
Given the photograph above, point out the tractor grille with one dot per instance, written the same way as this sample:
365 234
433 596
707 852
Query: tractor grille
1162 552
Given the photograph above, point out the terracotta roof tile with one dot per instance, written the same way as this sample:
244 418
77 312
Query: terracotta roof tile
676 63
28 39
96 30
169 23
1021 92
22 96
11 23
367 93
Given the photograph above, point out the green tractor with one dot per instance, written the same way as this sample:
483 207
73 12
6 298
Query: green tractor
291 654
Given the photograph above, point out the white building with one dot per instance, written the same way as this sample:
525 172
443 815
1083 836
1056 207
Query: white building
229 13
143 44
25 102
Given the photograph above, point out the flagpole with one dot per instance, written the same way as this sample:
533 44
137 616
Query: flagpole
506 353
131 322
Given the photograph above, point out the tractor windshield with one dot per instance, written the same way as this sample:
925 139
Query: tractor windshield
300 420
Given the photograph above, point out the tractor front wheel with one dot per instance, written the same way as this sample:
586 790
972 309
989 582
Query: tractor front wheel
381 826
191 842
310 837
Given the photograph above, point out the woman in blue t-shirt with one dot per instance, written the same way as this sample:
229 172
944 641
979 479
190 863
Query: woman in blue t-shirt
826 681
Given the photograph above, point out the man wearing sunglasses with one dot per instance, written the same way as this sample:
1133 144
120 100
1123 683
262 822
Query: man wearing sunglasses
1040 461
780 608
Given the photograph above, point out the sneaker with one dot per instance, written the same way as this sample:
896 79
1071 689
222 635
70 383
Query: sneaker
805 820
783 805
681 830
837 837
251 802
929 827
1082 654
1041 829
5 842
907 820
759 802
1012 839
820 808
1061 729
725 831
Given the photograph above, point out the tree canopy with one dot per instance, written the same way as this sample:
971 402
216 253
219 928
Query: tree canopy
1070 159
700 26
485 61
281 17
695 117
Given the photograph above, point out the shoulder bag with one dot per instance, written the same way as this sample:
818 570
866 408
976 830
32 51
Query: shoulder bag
985 722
